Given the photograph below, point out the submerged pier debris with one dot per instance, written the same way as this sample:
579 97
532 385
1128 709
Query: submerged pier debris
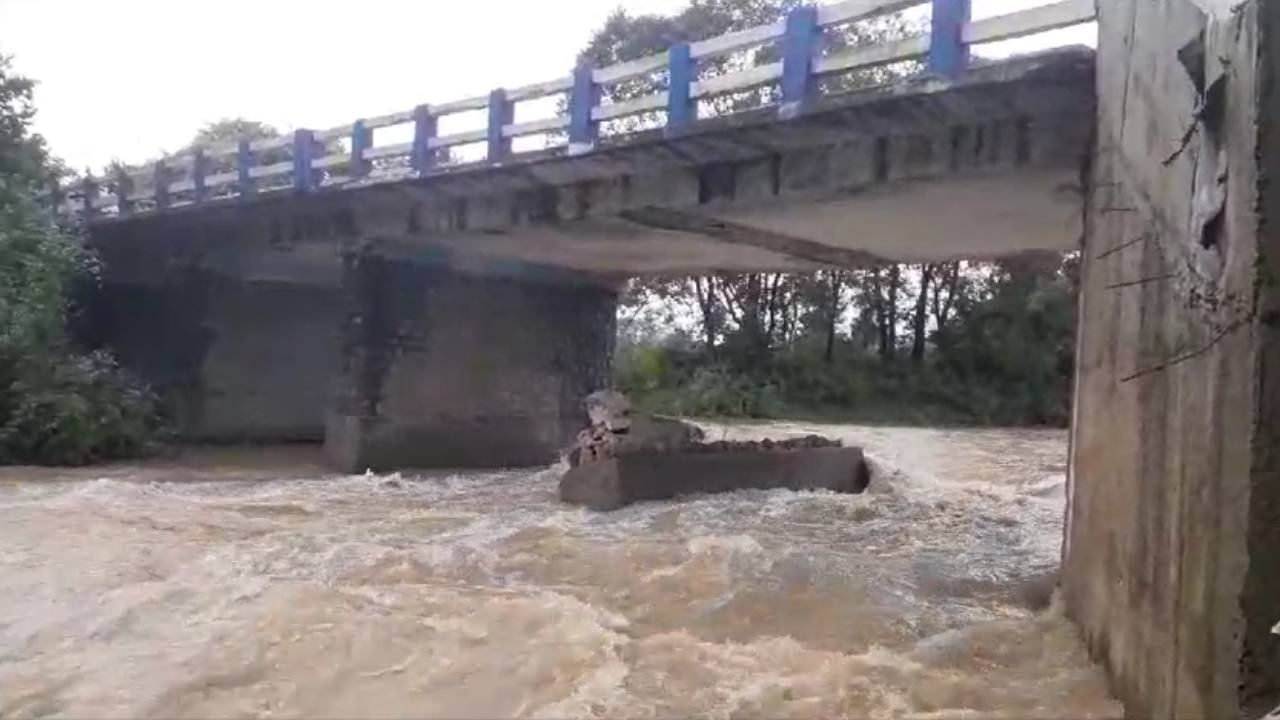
624 458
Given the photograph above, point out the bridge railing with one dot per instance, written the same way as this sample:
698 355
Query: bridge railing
308 160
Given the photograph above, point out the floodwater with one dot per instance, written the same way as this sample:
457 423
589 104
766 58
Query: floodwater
253 584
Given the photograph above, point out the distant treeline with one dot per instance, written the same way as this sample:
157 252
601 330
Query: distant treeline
955 343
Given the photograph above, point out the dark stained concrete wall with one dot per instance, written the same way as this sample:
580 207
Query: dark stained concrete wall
1171 559
405 364
1260 602
231 360
442 369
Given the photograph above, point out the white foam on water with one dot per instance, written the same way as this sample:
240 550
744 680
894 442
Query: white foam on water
742 543
477 594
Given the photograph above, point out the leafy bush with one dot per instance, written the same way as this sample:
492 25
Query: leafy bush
667 381
56 407
949 389
77 410
982 344
642 368
719 392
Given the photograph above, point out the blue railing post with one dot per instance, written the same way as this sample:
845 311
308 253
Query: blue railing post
948 55
681 109
124 186
244 164
583 131
501 113
798 49
361 140
161 176
424 131
89 191
199 168
304 145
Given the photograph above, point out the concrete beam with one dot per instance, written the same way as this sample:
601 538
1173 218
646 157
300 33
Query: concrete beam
745 235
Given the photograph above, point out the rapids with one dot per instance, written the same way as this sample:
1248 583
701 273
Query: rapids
252 583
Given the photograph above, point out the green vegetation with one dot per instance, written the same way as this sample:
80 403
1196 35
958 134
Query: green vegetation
994 345
627 37
57 406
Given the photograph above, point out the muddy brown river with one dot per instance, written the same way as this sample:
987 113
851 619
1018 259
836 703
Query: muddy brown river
254 584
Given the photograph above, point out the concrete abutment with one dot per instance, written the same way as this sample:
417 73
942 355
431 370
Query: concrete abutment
1174 526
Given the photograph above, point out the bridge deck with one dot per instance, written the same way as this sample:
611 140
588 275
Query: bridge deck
982 165
787 63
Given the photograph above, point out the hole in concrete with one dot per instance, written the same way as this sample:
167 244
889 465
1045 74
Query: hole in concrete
959 134
919 153
581 200
541 204
993 146
715 181
343 222
460 214
1023 152
880 159
1211 233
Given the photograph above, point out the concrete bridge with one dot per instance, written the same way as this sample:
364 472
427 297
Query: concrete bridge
413 307
364 255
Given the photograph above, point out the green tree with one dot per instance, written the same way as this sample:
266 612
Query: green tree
56 405
627 37
824 298
229 131
1011 351
24 158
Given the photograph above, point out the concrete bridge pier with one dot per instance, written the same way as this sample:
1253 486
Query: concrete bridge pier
1172 564
393 354
447 369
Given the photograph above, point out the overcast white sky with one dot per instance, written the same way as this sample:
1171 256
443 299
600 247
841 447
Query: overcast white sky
129 79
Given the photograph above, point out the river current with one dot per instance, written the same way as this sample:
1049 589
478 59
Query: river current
251 583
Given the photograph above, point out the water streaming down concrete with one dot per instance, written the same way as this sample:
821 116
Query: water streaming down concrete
194 589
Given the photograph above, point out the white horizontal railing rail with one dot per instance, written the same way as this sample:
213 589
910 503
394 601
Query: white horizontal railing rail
310 159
